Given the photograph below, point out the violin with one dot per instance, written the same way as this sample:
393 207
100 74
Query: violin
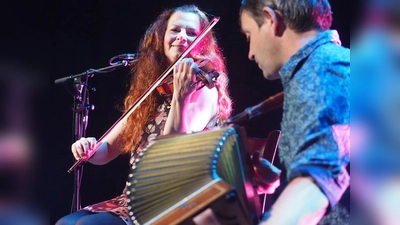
205 74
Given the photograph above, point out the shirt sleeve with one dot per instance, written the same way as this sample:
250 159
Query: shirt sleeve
333 186
321 132
323 151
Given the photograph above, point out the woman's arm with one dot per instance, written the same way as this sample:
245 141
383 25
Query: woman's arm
191 110
105 150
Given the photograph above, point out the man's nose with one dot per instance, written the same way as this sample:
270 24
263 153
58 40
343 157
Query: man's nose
251 55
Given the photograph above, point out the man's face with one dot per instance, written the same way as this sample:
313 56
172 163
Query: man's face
263 48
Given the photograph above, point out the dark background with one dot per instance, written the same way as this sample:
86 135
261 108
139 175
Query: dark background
50 40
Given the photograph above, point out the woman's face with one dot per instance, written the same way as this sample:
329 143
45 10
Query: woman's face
182 29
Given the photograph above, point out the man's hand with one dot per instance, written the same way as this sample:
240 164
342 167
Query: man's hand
266 174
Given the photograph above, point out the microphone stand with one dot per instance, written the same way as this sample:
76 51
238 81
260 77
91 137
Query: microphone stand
80 93
80 121
91 72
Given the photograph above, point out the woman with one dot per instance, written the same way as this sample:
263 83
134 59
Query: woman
185 111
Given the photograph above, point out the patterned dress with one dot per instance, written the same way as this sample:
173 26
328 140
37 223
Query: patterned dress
154 128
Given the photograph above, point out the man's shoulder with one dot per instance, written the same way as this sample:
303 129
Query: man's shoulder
331 52
328 58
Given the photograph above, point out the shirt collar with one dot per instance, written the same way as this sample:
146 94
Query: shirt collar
326 36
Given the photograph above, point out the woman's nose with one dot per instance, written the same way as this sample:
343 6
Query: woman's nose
182 36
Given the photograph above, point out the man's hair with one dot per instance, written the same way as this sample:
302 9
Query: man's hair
298 15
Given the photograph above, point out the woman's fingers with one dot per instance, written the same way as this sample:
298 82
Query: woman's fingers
92 142
184 76
75 149
193 69
183 69
81 147
92 145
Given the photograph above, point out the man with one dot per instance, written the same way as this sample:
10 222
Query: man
290 40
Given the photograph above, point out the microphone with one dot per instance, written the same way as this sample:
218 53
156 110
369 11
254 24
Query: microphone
128 56
271 103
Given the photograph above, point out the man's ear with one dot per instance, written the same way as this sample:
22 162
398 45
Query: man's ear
271 18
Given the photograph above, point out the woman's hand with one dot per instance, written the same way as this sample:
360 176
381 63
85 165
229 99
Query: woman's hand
83 148
190 110
184 76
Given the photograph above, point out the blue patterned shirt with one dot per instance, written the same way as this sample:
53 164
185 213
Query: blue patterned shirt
316 114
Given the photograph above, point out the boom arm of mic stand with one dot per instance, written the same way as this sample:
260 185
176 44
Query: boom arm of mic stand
94 71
